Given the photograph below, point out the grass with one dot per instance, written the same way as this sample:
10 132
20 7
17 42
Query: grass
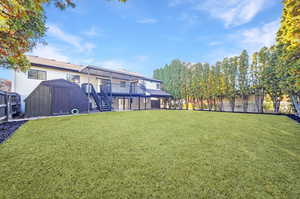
153 154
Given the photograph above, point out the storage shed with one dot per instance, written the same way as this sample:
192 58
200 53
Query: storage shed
56 97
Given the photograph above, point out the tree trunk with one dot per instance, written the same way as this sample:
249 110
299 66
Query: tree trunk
214 104
193 103
202 103
180 104
198 103
176 104
296 103
232 103
187 104
276 103
259 100
209 104
221 103
245 103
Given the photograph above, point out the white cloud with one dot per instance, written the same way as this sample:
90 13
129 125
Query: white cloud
231 12
173 3
251 39
93 32
147 21
214 43
234 12
131 64
88 46
50 52
258 37
141 58
71 39
113 64
68 38
188 18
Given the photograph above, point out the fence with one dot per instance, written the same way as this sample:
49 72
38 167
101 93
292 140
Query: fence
10 105
285 105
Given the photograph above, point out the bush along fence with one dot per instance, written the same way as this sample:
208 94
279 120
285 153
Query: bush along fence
234 105
10 105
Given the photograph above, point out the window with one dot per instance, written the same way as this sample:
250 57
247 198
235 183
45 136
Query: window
73 78
37 74
105 81
158 86
122 84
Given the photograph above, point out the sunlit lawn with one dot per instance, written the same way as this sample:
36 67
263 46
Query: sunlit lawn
153 154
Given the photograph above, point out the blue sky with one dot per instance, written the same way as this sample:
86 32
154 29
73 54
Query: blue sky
142 35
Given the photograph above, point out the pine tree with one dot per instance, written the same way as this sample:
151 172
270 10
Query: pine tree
243 78
273 77
288 37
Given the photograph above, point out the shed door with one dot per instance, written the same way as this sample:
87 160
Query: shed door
61 101
39 102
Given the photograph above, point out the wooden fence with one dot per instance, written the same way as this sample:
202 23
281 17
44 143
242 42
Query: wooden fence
10 105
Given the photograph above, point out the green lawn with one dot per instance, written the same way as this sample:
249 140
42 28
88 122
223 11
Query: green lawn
153 154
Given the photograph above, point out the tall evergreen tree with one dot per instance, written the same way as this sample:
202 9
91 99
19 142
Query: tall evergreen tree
220 83
288 37
230 73
243 78
273 77
256 82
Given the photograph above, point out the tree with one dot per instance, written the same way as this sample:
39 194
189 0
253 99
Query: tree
22 26
243 78
212 88
230 73
197 88
256 82
220 83
186 84
263 61
288 37
273 77
206 85
175 80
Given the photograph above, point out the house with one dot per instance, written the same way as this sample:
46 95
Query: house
5 85
106 89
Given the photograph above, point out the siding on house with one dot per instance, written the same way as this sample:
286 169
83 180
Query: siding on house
94 75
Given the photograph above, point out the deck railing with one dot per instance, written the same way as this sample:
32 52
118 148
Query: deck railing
10 104
128 88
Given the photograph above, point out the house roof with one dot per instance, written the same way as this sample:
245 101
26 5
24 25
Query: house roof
40 61
96 70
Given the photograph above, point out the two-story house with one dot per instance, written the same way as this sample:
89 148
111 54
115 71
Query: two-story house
113 89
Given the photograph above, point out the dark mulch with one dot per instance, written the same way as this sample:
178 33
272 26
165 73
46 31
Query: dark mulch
8 128
294 117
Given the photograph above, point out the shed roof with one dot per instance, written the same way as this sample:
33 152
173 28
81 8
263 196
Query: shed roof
58 83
